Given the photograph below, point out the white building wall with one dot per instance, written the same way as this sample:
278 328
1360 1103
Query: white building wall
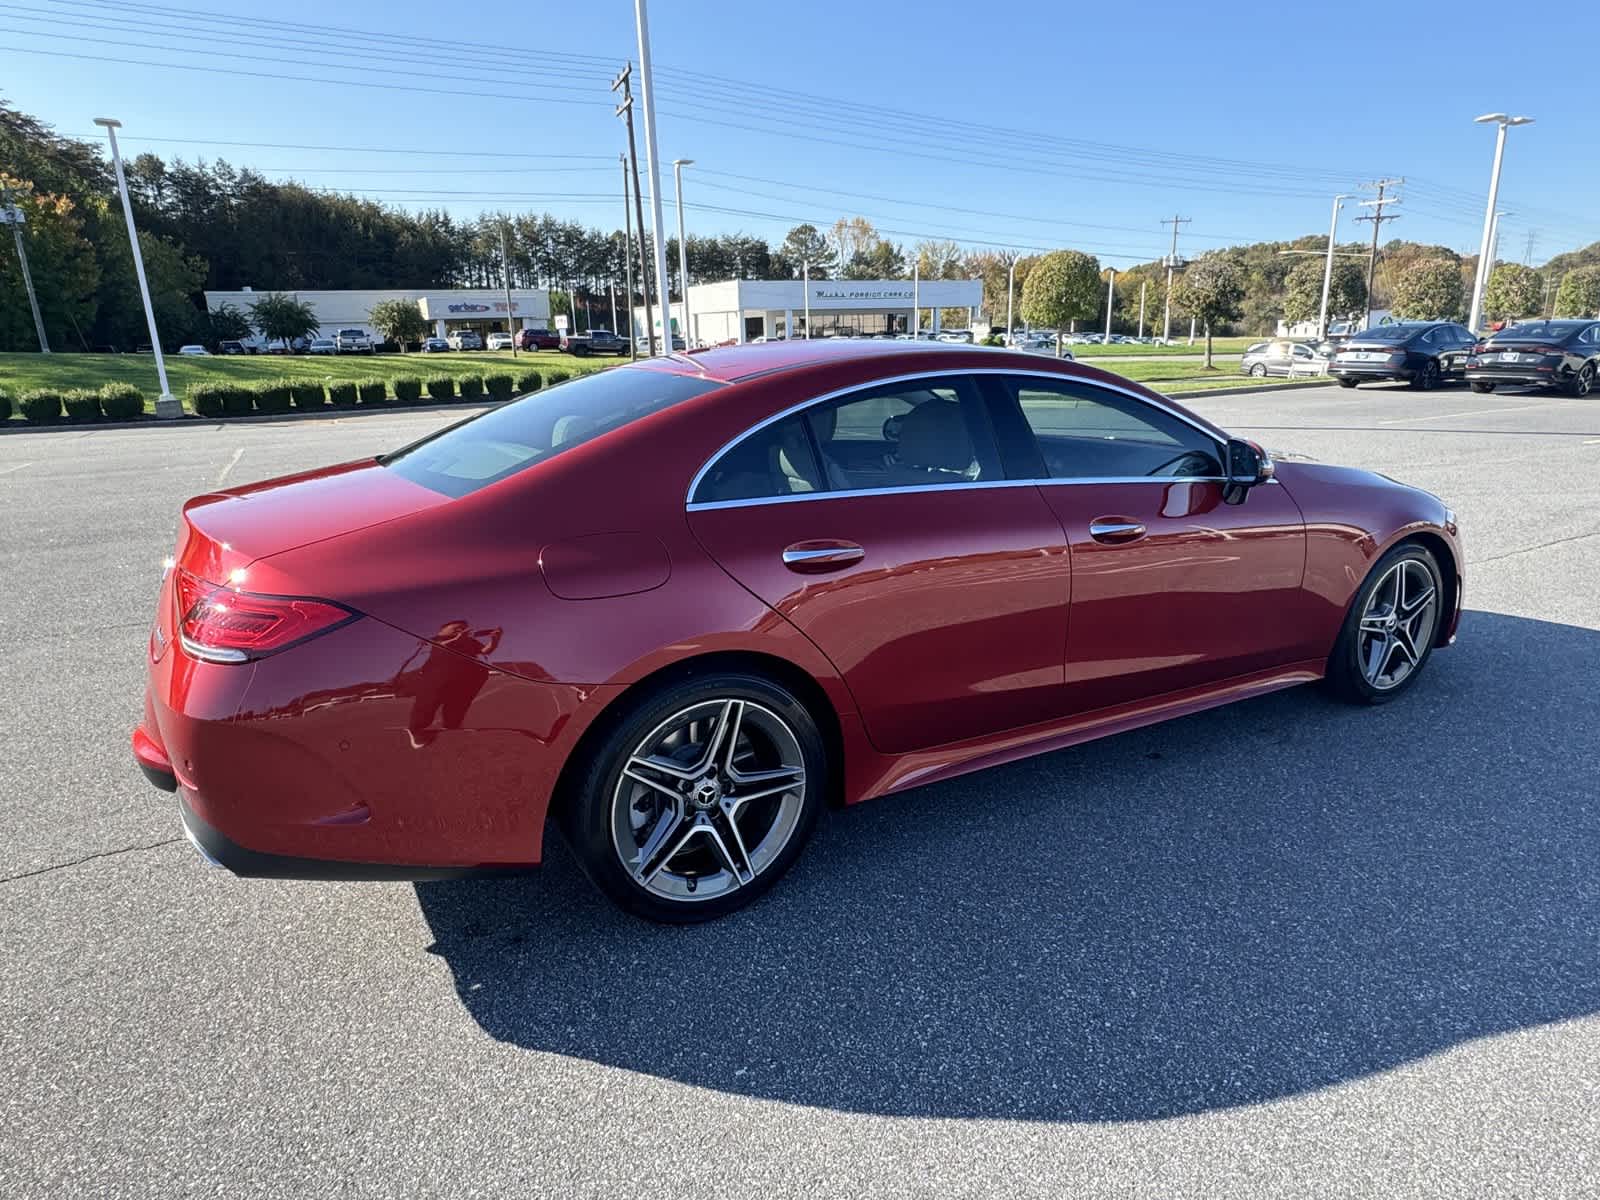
349 309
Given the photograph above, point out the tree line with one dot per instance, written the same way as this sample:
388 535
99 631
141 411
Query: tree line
222 227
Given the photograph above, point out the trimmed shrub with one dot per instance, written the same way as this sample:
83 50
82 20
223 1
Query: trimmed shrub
82 404
41 405
5 406
121 401
471 387
308 393
441 387
274 397
373 391
555 377
206 398
407 390
500 387
343 395
237 400
529 381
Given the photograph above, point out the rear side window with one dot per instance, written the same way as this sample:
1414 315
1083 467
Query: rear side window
488 448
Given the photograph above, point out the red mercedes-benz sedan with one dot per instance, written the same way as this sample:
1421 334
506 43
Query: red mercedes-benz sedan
678 606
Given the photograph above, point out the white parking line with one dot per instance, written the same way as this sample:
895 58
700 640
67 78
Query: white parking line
15 467
223 474
1471 412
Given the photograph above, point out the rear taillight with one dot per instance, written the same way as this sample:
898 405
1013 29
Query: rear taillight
223 624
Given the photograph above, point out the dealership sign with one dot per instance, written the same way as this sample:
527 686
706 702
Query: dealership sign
822 293
469 308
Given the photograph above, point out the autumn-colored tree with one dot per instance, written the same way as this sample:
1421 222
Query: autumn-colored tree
1579 293
1513 291
1428 290
1062 287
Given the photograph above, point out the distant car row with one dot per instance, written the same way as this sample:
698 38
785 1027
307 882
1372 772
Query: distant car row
1562 354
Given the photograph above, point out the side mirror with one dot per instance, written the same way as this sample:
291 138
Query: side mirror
1248 465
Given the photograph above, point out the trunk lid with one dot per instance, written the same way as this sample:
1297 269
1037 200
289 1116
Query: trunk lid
228 530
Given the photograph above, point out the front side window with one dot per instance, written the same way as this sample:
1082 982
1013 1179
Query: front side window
1084 432
505 440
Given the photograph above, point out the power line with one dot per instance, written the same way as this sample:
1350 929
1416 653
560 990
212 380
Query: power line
1377 218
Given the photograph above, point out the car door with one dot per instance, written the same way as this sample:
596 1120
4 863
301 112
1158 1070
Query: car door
1456 343
880 523
1171 587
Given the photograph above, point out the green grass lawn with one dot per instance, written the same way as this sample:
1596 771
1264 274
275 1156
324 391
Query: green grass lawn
1191 376
1180 345
23 372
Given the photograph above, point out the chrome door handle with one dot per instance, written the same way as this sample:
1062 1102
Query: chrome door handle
1115 530
818 556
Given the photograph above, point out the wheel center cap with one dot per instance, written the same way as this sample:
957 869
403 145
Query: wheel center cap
705 793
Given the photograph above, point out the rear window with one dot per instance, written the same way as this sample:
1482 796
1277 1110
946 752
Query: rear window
488 448
1388 333
1549 330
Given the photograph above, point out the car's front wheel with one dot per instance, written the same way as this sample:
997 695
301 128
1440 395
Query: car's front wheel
1259 370
1389 632
699 797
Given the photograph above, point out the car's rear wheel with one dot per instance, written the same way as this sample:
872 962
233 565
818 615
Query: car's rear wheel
1483 388
1346 382
1389 631
1426 379
699 797
1583 382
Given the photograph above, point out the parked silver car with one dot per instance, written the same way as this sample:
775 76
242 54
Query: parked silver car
1282 357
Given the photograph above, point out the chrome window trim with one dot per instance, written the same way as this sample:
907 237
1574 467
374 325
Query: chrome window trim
694 484
751 502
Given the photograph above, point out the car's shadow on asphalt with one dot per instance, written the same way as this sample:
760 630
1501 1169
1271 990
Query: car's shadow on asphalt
1238 906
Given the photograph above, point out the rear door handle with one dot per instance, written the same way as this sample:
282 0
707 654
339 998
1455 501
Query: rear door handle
1115 531
820 555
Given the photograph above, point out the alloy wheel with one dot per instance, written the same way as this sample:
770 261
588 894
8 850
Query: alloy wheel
1398 624
1584 383
708 800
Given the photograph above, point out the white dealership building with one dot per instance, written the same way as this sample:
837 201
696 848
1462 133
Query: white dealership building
740 310
449 309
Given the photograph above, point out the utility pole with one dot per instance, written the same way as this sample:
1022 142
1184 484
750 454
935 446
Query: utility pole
1382 201
1172 265
505 267
1143 284
627 256
11 215
1111 299
611 290
625 110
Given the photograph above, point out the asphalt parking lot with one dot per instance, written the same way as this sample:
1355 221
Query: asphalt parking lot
1286 948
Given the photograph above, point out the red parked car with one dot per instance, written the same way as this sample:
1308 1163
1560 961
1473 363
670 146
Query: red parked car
538 339
679 606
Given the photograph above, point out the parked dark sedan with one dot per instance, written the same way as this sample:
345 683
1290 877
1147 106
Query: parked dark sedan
1564 354
1421 353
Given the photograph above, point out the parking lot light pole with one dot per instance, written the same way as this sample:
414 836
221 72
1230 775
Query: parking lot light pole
1481 277
805 286
1011 289
916 298
678 164
1111 299
647 94
505 269
1143 284
1327 270
167 405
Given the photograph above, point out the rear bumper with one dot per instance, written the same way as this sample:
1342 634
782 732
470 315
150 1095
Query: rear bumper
1517 376
1366 371
222 851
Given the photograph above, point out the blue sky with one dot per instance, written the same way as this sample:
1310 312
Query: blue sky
1031 125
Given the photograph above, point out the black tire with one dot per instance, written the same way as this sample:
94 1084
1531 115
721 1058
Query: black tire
1345 677
1483 389
1582 384
1259 370
594 804
1428 377
1345 382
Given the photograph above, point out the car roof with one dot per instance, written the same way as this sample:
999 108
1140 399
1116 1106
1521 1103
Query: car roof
728 364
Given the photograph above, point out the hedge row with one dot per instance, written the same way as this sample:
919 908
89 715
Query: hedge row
123 401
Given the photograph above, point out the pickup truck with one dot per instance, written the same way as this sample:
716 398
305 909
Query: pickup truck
353 341
596 341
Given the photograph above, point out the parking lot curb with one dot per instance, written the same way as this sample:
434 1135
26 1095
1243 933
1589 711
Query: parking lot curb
191 421
1201 393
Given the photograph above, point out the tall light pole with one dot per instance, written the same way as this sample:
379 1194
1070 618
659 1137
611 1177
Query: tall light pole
167 405
1143 283
805 286
505 268
1011 290
678 164
627 260
1111 299
647 94
1482 275
1327 270
916 298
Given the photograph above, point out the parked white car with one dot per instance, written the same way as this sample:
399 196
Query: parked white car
499 341
193 350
